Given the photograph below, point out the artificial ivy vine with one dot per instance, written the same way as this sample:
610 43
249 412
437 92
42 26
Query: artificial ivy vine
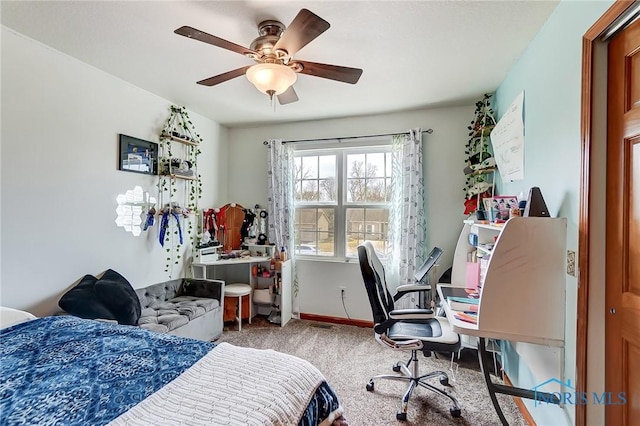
179 135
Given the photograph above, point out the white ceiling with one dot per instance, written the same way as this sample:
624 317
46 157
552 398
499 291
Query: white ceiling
414 54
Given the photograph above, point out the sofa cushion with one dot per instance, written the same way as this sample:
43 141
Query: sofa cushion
174 313
117 294
154 294
83 301
193 307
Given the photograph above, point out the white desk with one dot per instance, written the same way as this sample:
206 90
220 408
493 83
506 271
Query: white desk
463 327
204 266
523 290
207 270
469 329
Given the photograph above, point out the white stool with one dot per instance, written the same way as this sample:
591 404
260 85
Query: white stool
238 290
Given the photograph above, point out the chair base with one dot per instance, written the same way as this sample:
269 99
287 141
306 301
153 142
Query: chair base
414 379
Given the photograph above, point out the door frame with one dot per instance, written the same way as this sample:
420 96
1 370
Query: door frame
590 42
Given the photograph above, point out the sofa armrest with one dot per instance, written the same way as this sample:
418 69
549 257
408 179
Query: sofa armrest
211 289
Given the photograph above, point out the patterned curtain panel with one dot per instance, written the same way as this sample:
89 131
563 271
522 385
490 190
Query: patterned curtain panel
407 230
281 202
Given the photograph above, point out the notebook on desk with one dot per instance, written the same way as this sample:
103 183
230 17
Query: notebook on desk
448 291
463 303
459 299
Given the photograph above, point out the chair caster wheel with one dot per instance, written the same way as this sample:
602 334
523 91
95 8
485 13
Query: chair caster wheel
444 380
455 412
370 386
401 416
396 368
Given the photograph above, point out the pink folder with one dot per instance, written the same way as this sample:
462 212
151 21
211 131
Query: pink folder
473 275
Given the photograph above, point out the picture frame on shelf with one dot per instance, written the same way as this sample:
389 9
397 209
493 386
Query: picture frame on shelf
137 155
499 207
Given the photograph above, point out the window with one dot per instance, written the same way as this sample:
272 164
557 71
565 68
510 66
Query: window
342 198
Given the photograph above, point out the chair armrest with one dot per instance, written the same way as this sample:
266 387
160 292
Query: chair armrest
407 288
403 315
211 289
411 314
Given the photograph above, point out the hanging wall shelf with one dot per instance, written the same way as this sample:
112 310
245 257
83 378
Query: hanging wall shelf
479 164
180 185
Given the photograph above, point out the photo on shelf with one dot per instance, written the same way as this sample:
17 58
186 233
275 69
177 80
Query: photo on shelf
498 208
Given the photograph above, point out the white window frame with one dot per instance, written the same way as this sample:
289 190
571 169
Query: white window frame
340 206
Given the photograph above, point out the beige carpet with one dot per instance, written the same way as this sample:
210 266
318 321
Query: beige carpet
348 356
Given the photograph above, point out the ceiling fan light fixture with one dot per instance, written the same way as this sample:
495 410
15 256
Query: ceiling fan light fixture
274 78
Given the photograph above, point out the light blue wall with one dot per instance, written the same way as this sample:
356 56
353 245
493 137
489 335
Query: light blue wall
549 73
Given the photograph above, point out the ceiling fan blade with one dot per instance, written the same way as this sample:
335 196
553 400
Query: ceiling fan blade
221 78
305 27
195 34
288 96
332 72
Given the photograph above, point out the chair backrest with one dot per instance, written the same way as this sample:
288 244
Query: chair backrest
375 282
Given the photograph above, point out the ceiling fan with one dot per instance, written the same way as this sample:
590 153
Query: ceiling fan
276 70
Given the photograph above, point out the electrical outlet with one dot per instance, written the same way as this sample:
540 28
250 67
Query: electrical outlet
343 291
571 263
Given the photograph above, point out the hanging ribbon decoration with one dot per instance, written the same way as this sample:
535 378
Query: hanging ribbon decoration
150 219
164 224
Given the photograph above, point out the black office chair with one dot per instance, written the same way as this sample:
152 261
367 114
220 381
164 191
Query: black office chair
406 330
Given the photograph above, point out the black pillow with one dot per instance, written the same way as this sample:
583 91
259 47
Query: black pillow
119 297
83 301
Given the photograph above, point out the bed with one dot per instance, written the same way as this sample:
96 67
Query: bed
70 371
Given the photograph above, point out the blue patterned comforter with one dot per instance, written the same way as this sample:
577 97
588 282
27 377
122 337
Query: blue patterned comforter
71 371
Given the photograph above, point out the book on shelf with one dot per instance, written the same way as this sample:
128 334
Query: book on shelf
463 303
470 318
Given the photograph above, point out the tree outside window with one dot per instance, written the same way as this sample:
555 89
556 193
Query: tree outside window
342 199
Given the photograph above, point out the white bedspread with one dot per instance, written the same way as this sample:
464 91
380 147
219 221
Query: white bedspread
232 386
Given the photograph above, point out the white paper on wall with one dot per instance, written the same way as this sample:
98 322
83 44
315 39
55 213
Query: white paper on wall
507 139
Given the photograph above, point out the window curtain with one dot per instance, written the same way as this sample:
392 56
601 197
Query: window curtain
281 203
407 224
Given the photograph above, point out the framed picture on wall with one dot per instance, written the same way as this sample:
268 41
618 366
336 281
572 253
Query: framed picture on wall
137 155
498 208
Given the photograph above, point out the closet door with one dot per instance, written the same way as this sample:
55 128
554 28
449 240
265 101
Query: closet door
622 375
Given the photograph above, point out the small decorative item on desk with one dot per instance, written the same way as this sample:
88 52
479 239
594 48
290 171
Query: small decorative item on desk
498 208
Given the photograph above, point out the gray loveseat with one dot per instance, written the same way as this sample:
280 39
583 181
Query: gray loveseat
183 307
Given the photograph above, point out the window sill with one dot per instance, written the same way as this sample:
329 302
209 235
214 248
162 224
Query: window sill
326 259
